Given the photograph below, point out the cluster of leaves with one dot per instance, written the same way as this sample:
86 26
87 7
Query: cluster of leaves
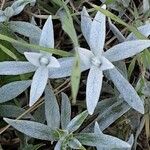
39 59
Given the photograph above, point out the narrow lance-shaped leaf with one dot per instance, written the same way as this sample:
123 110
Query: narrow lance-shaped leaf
92 139
51 109
75 144
65 69
108 141
19 5
65 111
47 35
16 68
97 33
144 29
13 89
127 91
26 29
93 89
116 32
13 111
33 129
126 49
86 22
38 84
77 121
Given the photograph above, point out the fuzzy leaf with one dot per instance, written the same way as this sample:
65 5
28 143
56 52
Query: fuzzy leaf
38 84
33 129
116 32
86 22
26 29
47 35
13 111
13 89
94 139
97 33
76 122
75 144
16 68
93 88
127 91
66 65
51 109
19 5
126 49
145 30
108 141
65 111
33 57
85 56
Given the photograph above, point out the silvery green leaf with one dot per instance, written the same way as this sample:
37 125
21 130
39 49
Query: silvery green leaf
85 56
94 139
127 91
54 63
75 144
38 85
65 111
33 129
93 88
12 111
58 145
47 35
26 29
39 114
116 32
97 33
108 142
13 89
9 12
51 109
145 30
3 18
106 64
146 5
19 5
109 111
33 40
126 49
86 22
77 121
33 58
64 70
16 67
111 114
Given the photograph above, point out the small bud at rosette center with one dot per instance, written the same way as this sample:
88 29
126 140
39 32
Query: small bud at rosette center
44 61
96 62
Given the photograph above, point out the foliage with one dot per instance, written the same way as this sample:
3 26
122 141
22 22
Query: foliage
97 71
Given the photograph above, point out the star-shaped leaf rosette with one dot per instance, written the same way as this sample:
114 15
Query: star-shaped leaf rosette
41 63
99 61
